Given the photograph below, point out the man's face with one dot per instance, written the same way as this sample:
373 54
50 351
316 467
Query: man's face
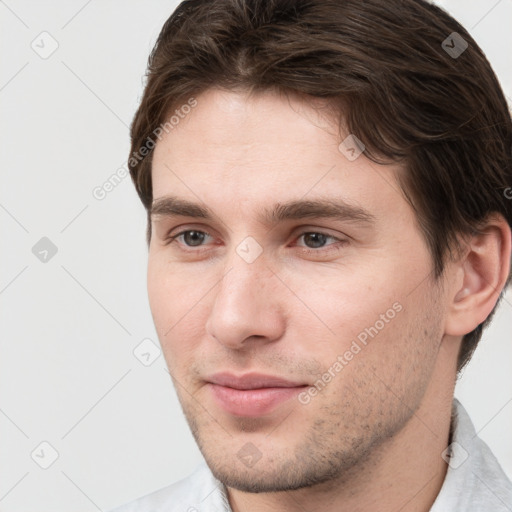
290 297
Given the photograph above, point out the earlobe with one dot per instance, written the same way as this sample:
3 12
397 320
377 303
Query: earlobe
482 274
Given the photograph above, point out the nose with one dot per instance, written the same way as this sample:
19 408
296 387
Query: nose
247 308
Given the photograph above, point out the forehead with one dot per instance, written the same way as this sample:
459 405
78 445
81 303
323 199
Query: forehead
243 125
252 148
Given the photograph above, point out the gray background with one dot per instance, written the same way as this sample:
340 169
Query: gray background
70 324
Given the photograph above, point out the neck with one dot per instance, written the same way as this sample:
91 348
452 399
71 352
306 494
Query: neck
405 473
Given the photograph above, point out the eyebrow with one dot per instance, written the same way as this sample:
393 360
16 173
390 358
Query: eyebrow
171 206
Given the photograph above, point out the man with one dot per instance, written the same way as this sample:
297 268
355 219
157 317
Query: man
328 194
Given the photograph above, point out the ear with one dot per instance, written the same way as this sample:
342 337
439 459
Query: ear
480 276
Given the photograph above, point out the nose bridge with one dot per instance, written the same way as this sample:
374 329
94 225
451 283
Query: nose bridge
247 279
246 301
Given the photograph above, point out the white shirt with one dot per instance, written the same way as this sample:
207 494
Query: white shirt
474 481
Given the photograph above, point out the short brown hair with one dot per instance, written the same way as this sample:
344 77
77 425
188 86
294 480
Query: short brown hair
385 66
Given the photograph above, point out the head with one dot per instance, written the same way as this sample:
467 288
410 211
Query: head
350 226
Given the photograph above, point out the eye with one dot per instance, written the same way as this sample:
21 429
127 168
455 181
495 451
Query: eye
191 237
315 242
317 239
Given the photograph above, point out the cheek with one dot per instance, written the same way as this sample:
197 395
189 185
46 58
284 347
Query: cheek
373 321
164 305
159 299
386 376
178 311
348 303
170 293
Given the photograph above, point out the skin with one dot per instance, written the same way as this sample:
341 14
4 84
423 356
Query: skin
373 436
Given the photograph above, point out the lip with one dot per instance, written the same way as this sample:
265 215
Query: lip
251 381
253 394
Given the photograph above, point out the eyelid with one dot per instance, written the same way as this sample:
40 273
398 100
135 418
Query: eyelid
171 238
302 231
316 232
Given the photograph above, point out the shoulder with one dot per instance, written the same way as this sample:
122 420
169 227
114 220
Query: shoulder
474 480
198 491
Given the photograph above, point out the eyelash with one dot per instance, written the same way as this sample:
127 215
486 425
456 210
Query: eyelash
305 250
